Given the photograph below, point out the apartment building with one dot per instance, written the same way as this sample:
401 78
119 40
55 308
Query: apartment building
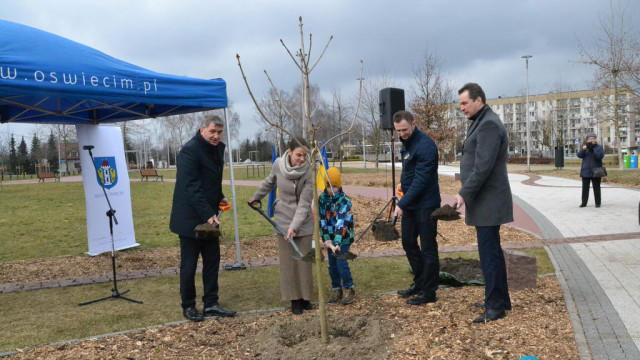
565 118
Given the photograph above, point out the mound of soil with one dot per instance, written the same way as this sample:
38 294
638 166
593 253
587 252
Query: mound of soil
463 269
351 336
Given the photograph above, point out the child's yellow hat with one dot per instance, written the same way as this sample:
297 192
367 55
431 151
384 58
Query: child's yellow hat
335 177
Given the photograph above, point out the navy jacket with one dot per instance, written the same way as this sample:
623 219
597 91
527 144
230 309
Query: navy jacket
419 179
591 159
198 189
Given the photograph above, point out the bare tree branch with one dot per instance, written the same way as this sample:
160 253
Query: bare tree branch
355 116
321 54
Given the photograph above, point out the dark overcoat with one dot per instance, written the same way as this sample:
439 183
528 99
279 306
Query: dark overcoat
483 171
591 159
198 189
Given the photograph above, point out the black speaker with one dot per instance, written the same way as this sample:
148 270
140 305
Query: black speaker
391 100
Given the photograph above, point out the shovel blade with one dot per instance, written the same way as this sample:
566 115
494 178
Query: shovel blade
309 257
347 256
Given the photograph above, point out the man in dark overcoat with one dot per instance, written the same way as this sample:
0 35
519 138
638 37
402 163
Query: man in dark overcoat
196 198
486 194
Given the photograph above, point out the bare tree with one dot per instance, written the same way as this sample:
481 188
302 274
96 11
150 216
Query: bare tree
432 97
340 111
615 59
370 116
305 66
66 136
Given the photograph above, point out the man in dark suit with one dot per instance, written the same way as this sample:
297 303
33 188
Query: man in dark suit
196 197
486 194
419 182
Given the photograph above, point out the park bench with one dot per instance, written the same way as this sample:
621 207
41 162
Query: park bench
48 175
150 172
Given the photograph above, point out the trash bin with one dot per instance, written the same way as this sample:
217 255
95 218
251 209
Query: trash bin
559 156
626 161
634 161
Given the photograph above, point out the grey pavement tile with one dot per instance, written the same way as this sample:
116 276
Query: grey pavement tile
601 324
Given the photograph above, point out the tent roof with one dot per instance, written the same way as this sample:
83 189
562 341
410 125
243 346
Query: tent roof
45 78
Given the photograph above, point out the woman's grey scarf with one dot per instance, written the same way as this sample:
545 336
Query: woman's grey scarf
292 172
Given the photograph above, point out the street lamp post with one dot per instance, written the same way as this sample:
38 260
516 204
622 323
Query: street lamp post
526 58
364 126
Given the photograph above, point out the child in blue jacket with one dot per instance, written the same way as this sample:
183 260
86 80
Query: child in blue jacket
336 226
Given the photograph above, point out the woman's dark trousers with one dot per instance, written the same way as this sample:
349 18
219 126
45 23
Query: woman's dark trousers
596 189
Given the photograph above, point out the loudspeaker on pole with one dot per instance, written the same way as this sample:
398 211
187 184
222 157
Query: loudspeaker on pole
391 100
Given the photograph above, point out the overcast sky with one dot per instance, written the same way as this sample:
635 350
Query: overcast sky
479 41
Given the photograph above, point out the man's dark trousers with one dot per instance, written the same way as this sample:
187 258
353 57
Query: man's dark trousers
424 258
496 291
190 249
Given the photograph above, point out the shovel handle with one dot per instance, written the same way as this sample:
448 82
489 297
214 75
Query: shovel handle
275 226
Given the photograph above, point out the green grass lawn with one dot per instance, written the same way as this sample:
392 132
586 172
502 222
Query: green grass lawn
48 220
51 315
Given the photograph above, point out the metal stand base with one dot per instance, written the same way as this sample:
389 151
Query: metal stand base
238 266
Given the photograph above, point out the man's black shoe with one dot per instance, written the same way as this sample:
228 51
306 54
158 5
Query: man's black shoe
412 290
489 315
583 205
481 305
217 310
421 298
192 314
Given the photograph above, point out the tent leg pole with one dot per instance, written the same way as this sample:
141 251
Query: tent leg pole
238 265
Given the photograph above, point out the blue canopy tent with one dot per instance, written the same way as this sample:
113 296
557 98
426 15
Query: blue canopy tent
45 78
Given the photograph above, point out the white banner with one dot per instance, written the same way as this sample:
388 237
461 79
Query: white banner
108 154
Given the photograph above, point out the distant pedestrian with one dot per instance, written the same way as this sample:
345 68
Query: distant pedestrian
336 227
486 194
591 155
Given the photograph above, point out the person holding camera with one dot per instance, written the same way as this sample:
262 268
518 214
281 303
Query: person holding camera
591 155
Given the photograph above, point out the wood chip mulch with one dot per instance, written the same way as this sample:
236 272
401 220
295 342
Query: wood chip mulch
372 328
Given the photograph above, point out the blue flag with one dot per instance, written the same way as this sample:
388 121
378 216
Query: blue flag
272 193
323 153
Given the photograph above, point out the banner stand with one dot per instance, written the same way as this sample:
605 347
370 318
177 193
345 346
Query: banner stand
111 214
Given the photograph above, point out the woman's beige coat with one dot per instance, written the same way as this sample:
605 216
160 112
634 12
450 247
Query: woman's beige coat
292 209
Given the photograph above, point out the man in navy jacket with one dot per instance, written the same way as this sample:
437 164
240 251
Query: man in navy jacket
419 182
196 197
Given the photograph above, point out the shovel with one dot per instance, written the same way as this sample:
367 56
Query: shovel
446 213
308 257
211 231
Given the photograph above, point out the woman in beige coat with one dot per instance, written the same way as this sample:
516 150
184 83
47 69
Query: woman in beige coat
292 210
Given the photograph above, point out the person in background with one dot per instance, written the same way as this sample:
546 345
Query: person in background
336 227
591 155
292 210
196 197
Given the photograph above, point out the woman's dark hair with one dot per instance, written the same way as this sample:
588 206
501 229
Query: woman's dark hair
297 142
475 91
